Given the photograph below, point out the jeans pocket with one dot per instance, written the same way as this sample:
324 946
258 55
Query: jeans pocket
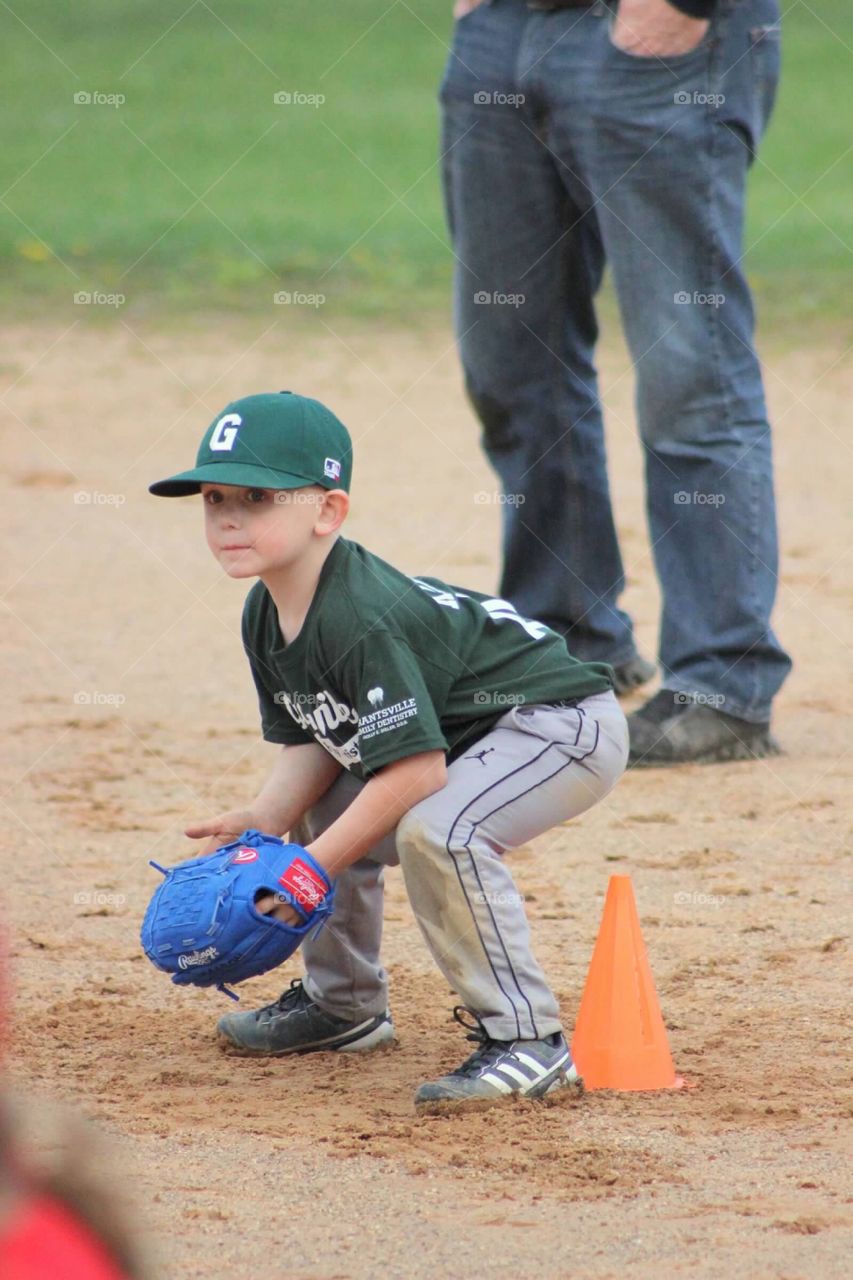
662 61
747 77
766 54
474 59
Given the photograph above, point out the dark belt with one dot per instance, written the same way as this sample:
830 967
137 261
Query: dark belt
561 4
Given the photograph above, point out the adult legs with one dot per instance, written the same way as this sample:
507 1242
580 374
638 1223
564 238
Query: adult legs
666 147
528 263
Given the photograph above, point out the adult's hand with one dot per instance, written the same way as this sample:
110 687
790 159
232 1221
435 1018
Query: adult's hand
655 29
461 7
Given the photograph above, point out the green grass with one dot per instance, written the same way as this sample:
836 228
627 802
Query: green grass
305 198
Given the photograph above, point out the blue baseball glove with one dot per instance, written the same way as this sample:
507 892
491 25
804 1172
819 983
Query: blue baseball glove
202 925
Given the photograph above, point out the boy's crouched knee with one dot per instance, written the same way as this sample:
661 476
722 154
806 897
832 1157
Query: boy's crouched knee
418 837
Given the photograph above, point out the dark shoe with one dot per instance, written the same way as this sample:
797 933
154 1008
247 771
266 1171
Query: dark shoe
499 1068
674 728
295 1024
629 675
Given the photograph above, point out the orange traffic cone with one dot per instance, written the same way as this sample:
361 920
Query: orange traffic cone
620 1040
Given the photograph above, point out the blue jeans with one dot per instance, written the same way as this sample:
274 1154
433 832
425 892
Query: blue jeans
561 153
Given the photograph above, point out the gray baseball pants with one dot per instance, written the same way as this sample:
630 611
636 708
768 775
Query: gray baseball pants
538 767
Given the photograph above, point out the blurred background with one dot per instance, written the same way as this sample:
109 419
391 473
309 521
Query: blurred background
144 154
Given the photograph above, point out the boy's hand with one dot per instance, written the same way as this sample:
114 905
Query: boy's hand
223 829
271 904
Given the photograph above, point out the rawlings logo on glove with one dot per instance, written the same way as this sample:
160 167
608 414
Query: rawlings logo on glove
202 925
304 884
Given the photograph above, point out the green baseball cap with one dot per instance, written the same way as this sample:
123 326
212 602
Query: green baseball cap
273 441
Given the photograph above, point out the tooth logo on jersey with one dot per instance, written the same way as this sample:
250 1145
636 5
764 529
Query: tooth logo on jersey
376 696
332 469
225 432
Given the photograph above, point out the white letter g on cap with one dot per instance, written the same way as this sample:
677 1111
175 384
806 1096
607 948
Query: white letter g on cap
225 431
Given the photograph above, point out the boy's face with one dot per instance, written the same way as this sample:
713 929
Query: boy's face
256 531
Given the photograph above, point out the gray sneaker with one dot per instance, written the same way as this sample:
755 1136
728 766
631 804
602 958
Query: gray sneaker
498 1068
295 1024
673 728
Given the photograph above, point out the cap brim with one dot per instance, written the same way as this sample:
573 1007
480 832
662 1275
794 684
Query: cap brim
245 474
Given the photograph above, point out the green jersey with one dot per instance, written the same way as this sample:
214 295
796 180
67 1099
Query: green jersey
386 666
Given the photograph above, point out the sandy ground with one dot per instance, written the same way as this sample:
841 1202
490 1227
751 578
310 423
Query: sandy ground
129 710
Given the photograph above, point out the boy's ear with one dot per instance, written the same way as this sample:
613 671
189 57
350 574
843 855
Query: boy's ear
333 511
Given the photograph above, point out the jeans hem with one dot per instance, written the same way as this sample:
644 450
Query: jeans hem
617 661
751 715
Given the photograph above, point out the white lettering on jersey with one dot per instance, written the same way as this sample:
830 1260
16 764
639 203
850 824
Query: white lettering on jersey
503 611
498 610
450 599
328 715
387 718
225 431
346 753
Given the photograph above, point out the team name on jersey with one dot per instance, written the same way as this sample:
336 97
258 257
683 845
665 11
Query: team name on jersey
329 712
327 723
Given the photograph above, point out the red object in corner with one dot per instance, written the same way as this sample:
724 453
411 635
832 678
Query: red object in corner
45 1241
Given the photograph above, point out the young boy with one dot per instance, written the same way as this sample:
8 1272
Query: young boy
419 724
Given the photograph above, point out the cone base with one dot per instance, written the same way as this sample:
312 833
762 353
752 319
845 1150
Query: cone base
678 1083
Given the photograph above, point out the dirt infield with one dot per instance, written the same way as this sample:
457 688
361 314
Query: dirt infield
130 711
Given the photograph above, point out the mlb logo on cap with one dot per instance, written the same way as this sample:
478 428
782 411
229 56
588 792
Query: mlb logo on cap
332 469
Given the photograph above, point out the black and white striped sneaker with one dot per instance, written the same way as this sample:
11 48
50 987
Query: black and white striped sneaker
295 1024
500 1068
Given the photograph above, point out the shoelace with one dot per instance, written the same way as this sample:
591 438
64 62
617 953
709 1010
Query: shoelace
489 1050
293 996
